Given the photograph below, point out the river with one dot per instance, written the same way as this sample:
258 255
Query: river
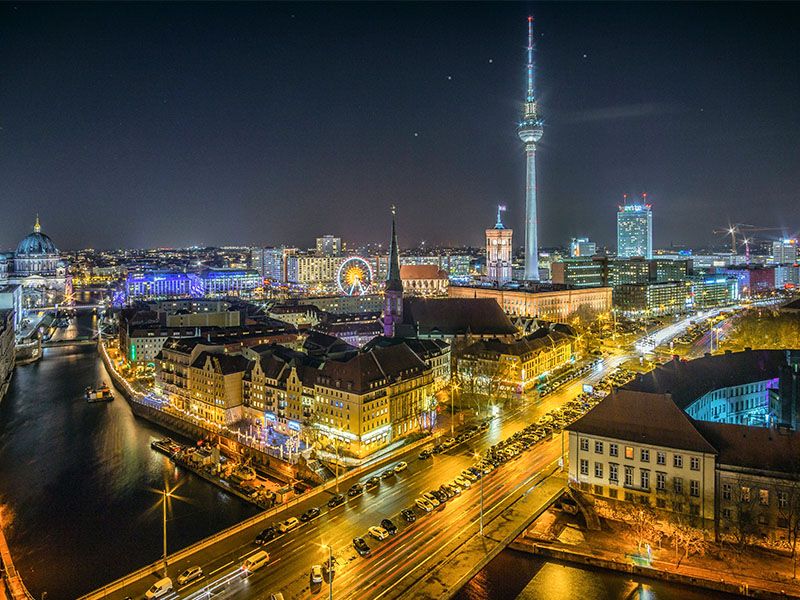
80 481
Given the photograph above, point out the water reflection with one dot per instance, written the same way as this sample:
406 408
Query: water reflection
78 479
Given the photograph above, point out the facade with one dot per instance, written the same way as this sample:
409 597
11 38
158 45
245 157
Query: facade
270 262
457 266
327 245
530 132
740 482
640 448
229 282
578 272
162 284
635 300
582 247
215 387
424 280
635 230
309 269
11 299
784 252
752 280
37 266
7 349
499 251
549 304
492 366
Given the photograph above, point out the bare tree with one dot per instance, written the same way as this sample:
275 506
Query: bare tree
742 520
643 522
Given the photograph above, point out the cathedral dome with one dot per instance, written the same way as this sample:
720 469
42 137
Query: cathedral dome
36 243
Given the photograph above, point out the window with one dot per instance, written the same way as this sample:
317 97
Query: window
726 491
763 497
762 519
783 499
584 466
598 447
677 483
783 522
694 488
613 472
598 489
612 493
661 481
677 507
629 452
645 479
745 495
694 463
661 503
645 455
661 458
584 444
677 461
726 513
598 470
628 475
613 449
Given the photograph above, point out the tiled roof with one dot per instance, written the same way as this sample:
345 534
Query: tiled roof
454 316
370 370
686 381
538 340
642 418
408 272
226 364
760 448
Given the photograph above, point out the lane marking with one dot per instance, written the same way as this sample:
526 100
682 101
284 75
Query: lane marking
220 569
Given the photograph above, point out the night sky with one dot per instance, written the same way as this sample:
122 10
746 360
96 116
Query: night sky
147 125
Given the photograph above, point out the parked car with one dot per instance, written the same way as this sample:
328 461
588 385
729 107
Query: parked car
316 574
355 490
288 524
335 501
379 533
160 588
311 513
401 466
190 575
425 454
389 526
423 504
361 546
387 473
409 515
265 536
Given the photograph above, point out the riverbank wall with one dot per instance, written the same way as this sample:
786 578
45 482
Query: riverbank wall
746 589
11 585
272 466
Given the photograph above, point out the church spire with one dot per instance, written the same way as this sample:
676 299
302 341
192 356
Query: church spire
37 228
393 281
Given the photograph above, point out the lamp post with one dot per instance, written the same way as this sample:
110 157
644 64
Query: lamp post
453 388
164 522
477 456
336 446
330 571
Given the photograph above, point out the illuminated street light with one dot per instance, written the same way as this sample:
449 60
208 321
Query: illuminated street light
477 457
164 514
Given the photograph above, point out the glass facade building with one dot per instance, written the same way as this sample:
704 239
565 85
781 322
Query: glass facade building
635 231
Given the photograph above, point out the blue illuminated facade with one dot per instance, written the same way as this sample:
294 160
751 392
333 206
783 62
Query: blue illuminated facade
211 282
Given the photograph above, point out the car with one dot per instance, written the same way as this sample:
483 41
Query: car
255 562
266 535
355 490
335 501
389 526
439 495
387 473
361 546
434 501
316 574
455 487
288 524
449 442
276 596
311 513
190 575
379 533
423 504
438 449
425 454
462 481
409 515
469 475
401 466
160 588
329 570
372 483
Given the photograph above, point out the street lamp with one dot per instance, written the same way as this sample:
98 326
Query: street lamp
330 570
164 515
453 388
477 456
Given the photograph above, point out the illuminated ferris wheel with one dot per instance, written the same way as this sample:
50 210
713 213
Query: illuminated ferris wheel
355 276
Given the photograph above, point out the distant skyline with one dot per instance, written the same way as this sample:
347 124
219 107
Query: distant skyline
146 124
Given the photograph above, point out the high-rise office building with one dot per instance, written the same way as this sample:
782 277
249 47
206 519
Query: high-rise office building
579 247
530 131
635 230
327 245
784 252
499 251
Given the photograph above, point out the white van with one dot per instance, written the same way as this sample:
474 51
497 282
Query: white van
160 588
255 562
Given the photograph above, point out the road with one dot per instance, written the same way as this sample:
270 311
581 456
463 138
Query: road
292 555
387 572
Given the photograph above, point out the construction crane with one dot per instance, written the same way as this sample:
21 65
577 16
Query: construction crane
742 229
